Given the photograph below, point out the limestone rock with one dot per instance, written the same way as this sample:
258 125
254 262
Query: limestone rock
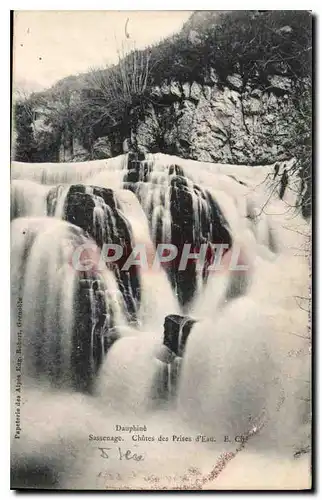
281 82
211 123
235 81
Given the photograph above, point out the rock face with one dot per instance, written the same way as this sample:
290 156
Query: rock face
212 226
234 124
210 123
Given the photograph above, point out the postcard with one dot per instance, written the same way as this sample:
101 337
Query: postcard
161 221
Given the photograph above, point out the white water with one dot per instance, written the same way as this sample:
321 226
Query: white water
64 173
242 357
28 198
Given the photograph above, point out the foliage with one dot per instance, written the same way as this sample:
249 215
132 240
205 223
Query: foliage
258 44
301 134
23 117
254 44
114 98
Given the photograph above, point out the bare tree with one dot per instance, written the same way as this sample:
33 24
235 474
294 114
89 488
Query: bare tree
114 96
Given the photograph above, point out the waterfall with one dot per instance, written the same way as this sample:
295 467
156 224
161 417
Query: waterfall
52 293
28 198
46 287
101 337
64 173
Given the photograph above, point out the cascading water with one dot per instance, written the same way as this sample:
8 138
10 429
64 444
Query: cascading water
225 361
64 173
28 199
50 290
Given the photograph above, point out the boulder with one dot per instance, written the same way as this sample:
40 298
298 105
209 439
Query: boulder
176 331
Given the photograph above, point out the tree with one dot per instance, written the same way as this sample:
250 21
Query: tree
23 113
114 98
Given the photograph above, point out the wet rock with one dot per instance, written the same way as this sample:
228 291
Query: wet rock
97 212
180 213
176 170
138 169
196 220
169 358
94 331
176 331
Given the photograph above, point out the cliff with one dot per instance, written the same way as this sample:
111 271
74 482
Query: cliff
227 88
226 125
